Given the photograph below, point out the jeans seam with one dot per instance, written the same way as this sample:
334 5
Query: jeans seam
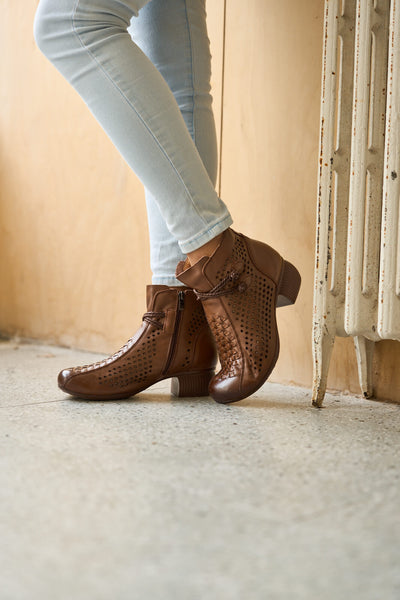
191 68
163 151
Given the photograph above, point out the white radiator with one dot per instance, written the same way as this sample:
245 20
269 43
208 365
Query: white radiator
357 269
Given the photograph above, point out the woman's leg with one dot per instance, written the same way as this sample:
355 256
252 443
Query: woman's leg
173 35
240 281
89 43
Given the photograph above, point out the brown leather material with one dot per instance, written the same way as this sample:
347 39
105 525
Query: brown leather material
197 277
257 252
174 341
239 286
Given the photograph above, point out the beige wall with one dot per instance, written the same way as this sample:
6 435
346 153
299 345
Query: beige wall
73 241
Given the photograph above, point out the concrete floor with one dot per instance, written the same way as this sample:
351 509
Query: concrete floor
157 498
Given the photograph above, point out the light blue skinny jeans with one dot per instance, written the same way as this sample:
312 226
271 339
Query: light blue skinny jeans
147 82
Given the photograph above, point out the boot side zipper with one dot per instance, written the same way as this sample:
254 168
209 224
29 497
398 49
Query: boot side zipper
172 347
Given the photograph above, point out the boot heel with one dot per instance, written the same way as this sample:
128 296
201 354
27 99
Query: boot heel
289 285
191 384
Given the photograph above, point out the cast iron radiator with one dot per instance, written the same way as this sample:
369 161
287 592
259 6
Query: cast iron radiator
357 267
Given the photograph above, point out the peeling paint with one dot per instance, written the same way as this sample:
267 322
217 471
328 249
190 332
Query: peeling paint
352 243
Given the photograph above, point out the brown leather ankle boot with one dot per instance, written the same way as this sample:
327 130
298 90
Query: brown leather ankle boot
240 286
173 341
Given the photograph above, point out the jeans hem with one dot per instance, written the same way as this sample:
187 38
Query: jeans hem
169 280
207 235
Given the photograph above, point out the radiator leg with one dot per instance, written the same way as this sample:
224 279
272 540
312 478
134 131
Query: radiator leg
322 349
365 353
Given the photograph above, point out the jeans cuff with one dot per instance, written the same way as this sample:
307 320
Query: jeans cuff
169 280
207 235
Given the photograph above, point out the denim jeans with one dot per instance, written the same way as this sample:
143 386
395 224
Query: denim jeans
143 69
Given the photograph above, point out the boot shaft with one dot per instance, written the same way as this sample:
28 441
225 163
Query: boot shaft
188 339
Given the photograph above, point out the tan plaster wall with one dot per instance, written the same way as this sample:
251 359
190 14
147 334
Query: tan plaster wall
73 240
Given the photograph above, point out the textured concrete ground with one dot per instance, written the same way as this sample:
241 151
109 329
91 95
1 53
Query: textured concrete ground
157 498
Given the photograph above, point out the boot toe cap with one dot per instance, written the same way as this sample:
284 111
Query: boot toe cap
225 390
63 378
69 382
